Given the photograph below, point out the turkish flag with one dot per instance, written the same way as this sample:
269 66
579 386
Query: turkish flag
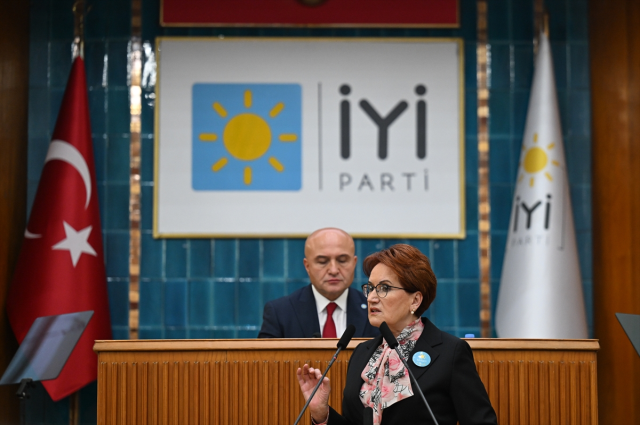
61 266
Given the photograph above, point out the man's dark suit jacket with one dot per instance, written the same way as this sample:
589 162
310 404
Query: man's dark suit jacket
450 384
295 316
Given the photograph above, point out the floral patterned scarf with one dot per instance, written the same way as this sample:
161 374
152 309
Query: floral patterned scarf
385 379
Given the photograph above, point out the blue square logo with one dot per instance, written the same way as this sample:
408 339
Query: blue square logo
247 137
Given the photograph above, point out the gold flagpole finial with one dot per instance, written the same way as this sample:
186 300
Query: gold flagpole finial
541 24
78 29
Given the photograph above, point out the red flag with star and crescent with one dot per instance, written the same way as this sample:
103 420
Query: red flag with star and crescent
61 265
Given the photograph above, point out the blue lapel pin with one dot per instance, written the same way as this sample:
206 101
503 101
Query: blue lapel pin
363 306
421 359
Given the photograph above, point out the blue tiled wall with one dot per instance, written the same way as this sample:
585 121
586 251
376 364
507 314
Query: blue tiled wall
216 288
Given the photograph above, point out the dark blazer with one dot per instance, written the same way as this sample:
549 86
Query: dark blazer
450 384
295 316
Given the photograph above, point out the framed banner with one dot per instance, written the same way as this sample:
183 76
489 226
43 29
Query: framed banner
279 137
311 13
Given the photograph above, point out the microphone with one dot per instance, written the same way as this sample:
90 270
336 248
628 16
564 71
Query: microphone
393 344
342 344
367 416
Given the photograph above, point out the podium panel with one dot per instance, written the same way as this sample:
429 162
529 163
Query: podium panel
241 382
533 381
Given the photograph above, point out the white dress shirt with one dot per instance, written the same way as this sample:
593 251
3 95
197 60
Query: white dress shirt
339 314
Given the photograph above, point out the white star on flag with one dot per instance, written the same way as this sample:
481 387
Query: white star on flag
76 242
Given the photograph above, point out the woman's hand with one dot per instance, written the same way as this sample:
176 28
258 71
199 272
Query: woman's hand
308 377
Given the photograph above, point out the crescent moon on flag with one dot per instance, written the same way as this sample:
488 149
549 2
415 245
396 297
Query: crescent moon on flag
64 151
29 235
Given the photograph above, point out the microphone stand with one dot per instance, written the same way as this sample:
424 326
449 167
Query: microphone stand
342 343
335 356
413 378
393 344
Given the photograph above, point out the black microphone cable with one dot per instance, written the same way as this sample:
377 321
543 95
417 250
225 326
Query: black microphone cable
393 344
342 344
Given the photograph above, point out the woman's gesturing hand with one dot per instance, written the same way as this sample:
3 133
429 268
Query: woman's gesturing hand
308 377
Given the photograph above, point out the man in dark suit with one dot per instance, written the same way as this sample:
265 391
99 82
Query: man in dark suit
328 305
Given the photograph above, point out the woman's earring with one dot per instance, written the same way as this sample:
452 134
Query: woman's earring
413 311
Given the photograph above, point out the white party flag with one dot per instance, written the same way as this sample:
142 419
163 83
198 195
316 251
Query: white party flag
541 289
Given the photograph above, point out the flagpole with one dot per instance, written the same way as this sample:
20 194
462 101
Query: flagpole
78 29
78 51
540 24
74 408
538 13
545 24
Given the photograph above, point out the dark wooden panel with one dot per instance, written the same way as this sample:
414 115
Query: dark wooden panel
14 72
615 87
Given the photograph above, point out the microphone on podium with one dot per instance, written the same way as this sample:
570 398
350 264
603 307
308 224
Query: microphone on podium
367 416
393 344
342 344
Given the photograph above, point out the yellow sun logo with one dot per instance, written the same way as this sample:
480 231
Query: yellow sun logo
255 133
536 160
247 137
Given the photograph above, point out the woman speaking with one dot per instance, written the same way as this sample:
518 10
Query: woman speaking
401 287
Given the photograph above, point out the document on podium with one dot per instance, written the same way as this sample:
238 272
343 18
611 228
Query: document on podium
46 348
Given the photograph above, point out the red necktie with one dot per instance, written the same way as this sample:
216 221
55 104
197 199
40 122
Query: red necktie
329 330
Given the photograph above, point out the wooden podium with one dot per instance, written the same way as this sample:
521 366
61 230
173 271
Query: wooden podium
238 382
